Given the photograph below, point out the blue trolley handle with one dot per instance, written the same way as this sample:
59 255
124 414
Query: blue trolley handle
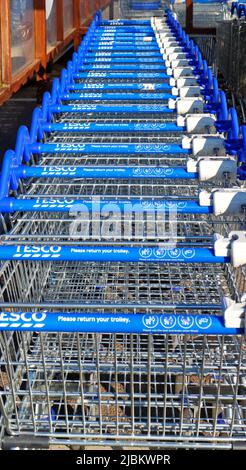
123 254
90 322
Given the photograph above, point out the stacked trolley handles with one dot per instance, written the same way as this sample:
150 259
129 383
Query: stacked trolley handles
110 332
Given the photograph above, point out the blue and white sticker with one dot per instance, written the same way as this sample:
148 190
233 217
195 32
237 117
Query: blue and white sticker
186 322
160 252
174 253
145 252
151 321
203 322
188 253
168 321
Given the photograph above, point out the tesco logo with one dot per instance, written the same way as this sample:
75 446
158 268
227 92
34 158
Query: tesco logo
38 249
26 317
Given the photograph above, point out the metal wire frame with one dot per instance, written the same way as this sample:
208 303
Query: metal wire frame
144 188
204 15
113 103
114 137
130 285
127 228
208 47
101 79
113 117
231 54
146 387
84 387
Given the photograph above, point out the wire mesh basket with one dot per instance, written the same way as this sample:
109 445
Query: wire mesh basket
231 37
205 14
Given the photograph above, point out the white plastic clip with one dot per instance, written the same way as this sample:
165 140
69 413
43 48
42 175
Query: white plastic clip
209 168
179 63
221 245
176 56
175 91
172 82
205 198
186 81
234 312
225 201
229 201
208 145
190 91
238 248
189 105
182 72
233 246
200 123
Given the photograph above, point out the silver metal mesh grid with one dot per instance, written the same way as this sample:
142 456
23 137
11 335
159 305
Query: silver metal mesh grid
152 388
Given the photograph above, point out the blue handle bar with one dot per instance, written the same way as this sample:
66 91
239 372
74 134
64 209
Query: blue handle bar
123 48
100 108
113 127
124 54
146 29
136 43
94 96
123 254
122 35
125 75
118 86
88 172
124 60
114 148
86 322
123 67
120 23
11 205
130 67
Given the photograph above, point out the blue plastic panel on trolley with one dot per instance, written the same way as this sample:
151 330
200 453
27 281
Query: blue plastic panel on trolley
124 75
123 48
126 35
113 127
100 108
123 22
124 54
133 43
130 67
145 6
123 254
127 172
103 148
124 86
130 28
124 60
85 322
46 204
94 96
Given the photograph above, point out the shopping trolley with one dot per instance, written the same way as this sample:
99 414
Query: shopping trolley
117 336
206 13
140 8
231 35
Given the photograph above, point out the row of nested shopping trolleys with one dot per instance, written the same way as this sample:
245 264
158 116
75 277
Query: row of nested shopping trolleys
123 252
